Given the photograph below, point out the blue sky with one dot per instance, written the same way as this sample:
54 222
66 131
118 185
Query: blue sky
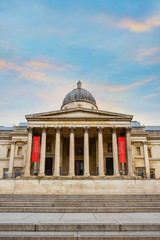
112 46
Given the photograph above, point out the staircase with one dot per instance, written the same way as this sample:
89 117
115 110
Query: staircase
79 204
46 217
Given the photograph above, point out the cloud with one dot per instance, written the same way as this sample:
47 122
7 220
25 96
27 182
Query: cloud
41 71
119 88
45 65
135 26
150 56
155 94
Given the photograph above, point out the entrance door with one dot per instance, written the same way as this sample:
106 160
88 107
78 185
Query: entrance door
48 166
109 166
79 167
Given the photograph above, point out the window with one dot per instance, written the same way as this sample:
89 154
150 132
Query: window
17 172
19 151
109 147
8 152
5 173
149 153
138 151
140 172
152 173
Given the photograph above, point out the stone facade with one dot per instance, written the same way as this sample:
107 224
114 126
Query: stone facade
80 140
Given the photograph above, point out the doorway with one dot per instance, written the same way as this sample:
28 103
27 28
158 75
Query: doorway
109 166
79 168
48 166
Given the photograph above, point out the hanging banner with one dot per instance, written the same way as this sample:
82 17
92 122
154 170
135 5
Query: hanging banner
35 149
122 149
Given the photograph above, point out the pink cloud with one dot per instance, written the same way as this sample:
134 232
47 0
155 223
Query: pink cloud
45 65
136 26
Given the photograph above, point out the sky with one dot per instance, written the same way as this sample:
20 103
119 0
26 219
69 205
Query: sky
111 46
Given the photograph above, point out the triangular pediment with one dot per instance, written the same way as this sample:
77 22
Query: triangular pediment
78 113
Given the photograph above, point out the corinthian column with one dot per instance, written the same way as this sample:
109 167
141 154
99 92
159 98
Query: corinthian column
100 152
129 152
72 153
57 152
146 160
115 152
11 160
29 150
43 152
86 152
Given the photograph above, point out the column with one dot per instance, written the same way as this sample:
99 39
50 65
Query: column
57 152
72 153
146 160
100 152
25 153
43 152
129 152
29 151
11 160
115 152
86 152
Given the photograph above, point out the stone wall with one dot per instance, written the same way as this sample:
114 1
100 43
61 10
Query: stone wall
80 187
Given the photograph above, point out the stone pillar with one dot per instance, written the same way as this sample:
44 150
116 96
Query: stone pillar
25 153
115 152
29 151
72 153
11 160
129 152
146 160
43 152
100 152
86 152
57 152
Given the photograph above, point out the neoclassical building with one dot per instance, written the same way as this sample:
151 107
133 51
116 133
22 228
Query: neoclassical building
79 140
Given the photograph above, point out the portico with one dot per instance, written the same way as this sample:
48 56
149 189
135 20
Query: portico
78 150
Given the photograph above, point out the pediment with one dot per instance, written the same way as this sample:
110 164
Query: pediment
78 113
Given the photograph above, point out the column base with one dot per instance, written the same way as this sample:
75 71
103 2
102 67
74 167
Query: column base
131 174
56 175
148 176
71 175
41 175
116 175
86 175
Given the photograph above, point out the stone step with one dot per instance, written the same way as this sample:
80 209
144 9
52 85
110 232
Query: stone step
79 209
38 199
138 196
79 204
136 235
76 227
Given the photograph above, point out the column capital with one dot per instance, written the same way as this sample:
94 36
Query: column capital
58 128
44 128
86 128
100 128
29 129
113 129
128 129
12 142
145 143
72 128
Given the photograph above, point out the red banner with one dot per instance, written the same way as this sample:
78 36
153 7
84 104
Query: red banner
122 149
35 149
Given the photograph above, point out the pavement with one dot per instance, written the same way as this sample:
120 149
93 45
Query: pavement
79 218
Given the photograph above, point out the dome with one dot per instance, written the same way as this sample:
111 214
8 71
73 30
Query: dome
79 95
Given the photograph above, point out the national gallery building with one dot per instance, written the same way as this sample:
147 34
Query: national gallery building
80 140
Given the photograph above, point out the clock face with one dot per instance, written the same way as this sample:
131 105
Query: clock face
79 151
